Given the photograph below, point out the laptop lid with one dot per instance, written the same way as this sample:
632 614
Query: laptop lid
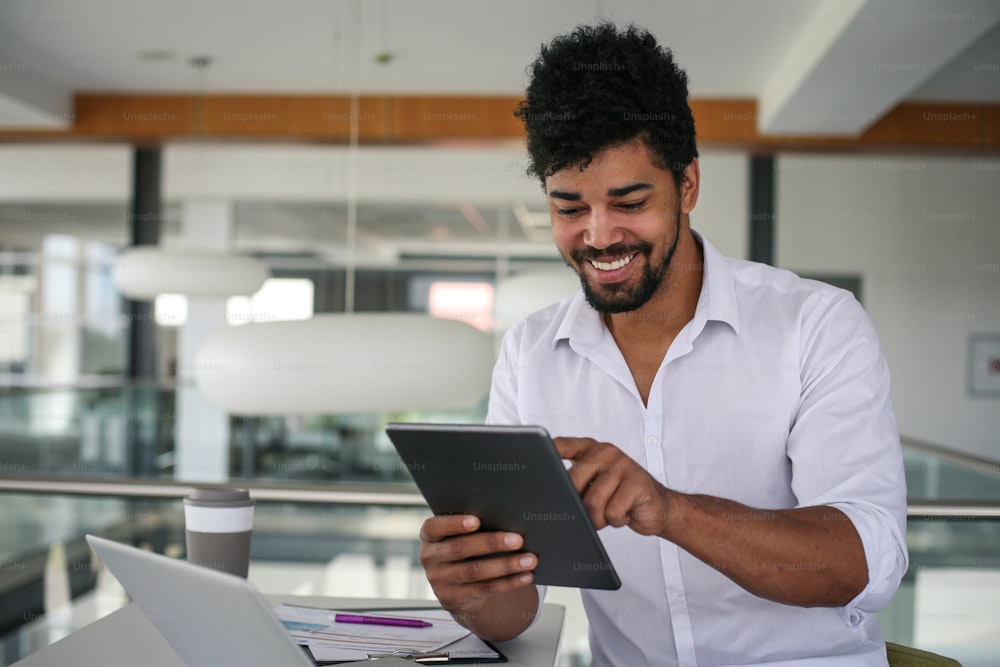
208 617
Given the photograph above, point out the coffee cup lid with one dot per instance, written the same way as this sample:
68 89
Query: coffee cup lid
219 496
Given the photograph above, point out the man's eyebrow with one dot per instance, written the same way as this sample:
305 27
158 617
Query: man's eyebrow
613 192
621 192
560 194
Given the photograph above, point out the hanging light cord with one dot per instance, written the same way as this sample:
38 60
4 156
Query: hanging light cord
352 166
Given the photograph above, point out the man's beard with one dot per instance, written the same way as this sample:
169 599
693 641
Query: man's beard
609 298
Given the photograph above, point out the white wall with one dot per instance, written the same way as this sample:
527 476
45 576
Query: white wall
721 213
97 172
924 234
65 172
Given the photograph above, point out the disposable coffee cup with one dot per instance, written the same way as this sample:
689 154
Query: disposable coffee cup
218 523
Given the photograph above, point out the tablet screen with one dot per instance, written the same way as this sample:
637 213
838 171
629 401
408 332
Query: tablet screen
513 479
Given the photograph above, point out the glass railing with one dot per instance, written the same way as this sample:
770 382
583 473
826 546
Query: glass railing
106 429
935 473
338 514
947 600
97 428
51 586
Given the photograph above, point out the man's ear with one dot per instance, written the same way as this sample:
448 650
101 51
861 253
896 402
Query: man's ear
689 186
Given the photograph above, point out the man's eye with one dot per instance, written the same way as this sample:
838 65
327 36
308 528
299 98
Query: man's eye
565 212
633 206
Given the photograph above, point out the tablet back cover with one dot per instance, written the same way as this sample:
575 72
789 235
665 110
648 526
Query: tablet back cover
513 479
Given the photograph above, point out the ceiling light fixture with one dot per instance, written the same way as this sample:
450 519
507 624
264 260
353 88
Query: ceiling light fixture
366 362
144 272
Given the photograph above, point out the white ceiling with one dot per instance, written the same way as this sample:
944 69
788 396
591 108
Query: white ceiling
854 57
818 66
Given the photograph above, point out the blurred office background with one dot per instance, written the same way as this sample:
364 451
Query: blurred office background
364 152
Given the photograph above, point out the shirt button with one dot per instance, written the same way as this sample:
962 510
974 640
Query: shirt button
675 593
652 441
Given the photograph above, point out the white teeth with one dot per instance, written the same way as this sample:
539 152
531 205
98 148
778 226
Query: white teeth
611 266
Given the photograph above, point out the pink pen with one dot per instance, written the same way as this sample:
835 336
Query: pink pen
382 620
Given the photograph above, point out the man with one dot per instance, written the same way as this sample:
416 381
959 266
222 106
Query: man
728 423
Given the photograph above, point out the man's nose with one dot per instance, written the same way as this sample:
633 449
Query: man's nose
601 230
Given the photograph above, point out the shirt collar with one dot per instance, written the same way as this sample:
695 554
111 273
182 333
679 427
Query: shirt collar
717 301
718 288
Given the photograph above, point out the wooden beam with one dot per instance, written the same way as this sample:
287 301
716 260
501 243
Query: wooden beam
971 128
428 119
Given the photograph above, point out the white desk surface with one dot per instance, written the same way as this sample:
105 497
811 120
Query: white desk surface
126 638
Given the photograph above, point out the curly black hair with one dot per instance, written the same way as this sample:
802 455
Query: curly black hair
599 87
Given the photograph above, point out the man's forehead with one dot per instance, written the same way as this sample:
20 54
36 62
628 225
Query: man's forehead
616 172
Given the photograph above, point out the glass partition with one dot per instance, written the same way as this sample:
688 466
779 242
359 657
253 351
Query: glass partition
937 474
947 600
310 540
118 430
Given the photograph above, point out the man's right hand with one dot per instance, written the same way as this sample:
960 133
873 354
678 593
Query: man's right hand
491 594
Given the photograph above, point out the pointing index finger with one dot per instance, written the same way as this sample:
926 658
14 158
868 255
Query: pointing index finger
571 448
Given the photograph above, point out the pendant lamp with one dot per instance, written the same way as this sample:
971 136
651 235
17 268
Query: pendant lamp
346 363
143 272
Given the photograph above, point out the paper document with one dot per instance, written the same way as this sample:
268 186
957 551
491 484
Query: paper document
329 640
469 647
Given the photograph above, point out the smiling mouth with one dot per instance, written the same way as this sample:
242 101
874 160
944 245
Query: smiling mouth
612 265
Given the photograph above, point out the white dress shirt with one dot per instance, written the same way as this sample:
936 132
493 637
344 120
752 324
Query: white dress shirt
775 395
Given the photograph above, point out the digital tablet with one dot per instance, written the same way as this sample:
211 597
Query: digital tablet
513 479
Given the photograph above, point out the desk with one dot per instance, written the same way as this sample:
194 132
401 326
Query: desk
126 638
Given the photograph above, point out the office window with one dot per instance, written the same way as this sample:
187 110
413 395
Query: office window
15 314
277 299
170 310
469 302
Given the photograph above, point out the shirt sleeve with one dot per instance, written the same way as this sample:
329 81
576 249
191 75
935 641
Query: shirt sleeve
844 444
502 408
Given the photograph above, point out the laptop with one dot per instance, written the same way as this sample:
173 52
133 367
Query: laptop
207 617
